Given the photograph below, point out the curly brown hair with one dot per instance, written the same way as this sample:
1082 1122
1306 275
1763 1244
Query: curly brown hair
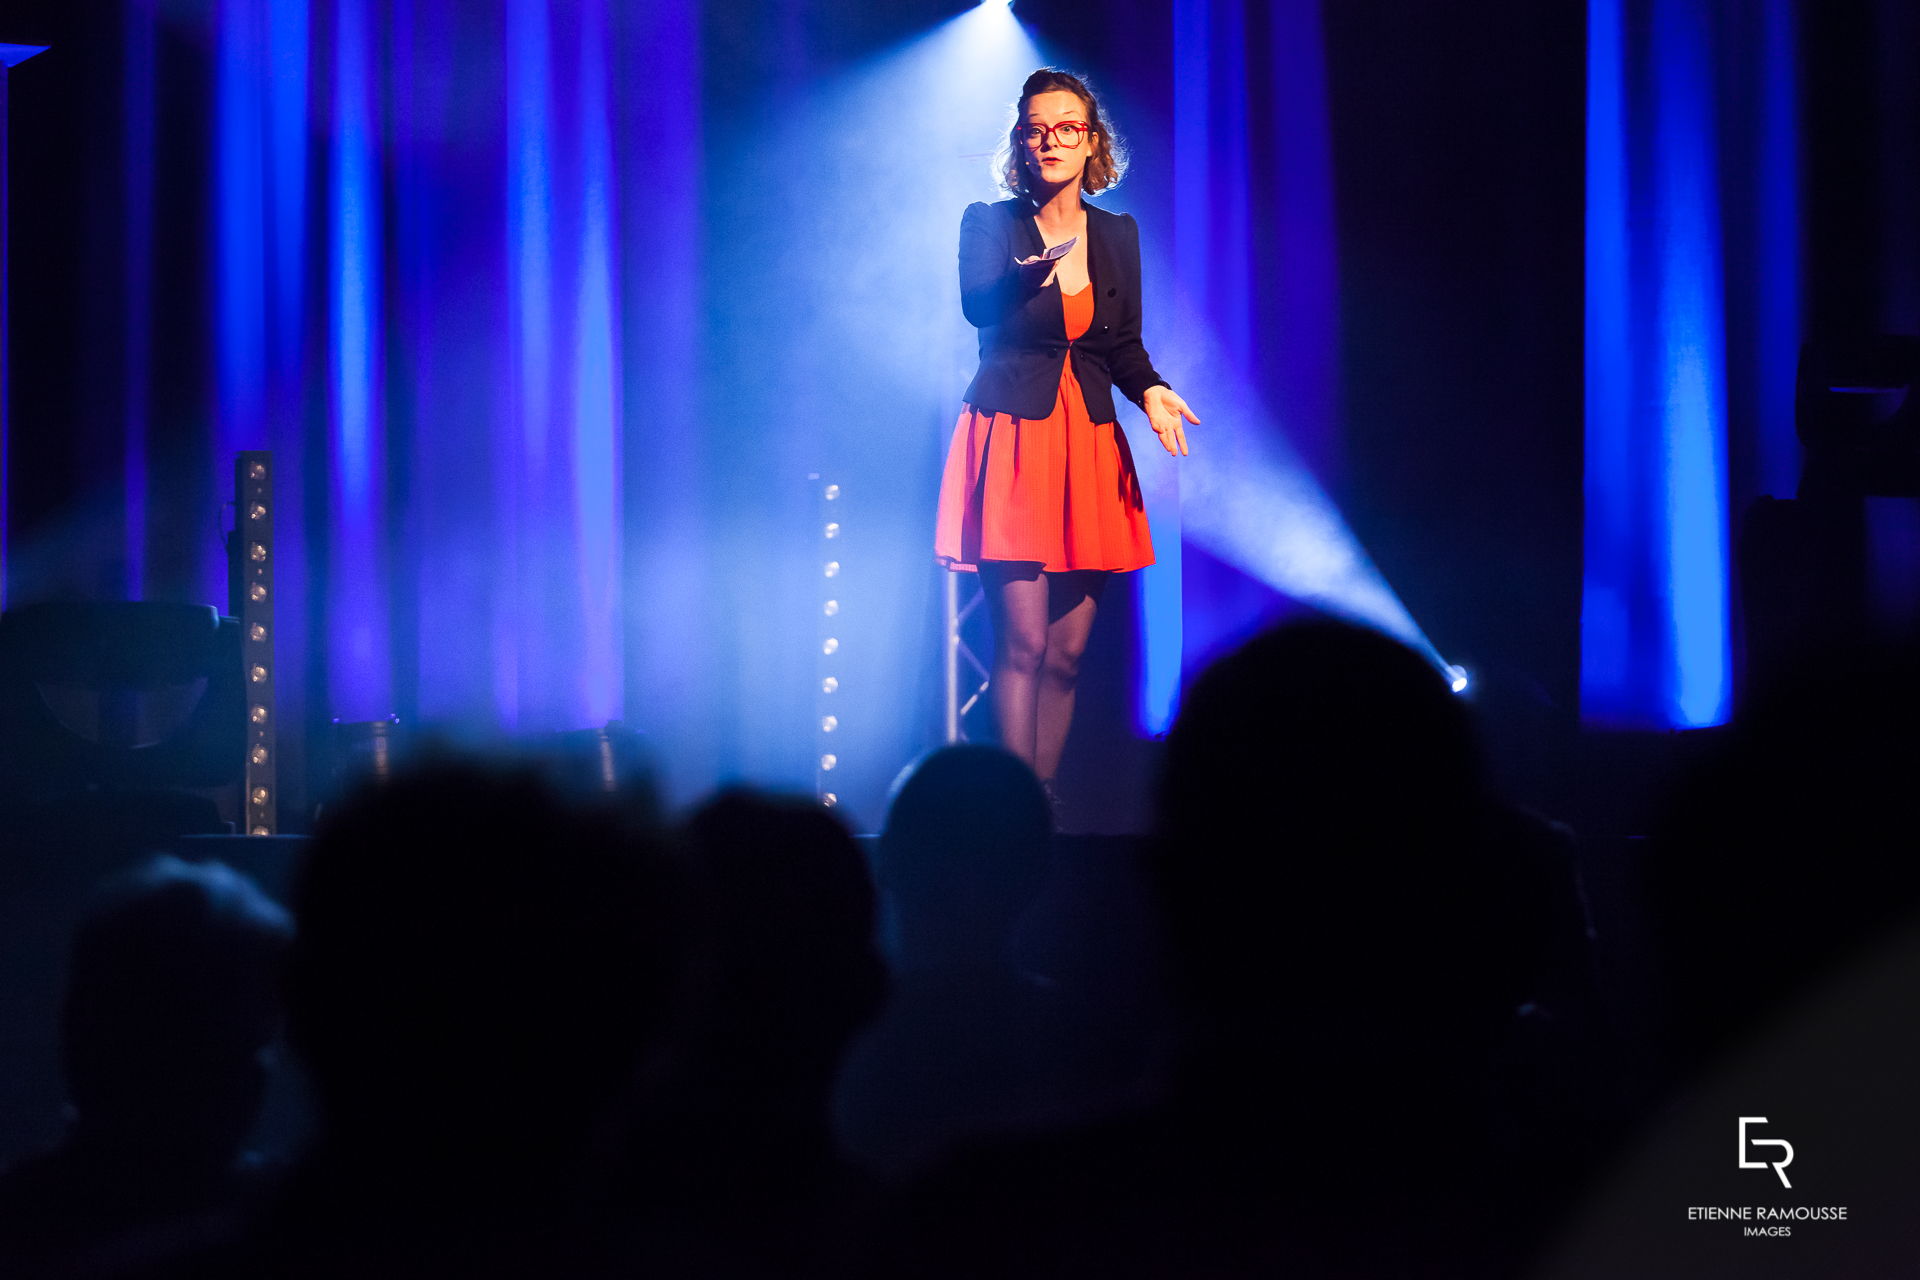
1105 166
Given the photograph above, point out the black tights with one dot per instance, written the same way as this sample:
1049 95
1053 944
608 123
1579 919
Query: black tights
1041 622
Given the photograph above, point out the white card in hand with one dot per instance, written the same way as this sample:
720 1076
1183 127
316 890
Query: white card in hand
1054 254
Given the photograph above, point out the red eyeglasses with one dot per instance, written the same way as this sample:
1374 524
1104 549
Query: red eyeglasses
1068 133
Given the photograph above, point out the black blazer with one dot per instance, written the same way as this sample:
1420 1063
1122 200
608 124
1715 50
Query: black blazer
1023 331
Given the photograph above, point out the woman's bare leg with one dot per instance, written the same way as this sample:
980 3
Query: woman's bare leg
1073 599
1017 604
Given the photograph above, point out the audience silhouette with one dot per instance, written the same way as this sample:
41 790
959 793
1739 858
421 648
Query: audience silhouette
739 1172
1352 926
547 1037
172 1001
972 1042
479 973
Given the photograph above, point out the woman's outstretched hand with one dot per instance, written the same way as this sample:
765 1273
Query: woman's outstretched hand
1165 409
1037 271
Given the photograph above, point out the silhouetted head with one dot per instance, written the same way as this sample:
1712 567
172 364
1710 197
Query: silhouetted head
966 839
1314 723
172 998
479 965
1321 861
792 969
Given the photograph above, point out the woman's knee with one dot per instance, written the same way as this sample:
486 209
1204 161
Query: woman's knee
1062 661
1023 649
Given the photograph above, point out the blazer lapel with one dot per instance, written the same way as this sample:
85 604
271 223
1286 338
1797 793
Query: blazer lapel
1055 318
1029 232
1093 268
1030 237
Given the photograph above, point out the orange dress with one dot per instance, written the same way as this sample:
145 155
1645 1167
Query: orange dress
1059 491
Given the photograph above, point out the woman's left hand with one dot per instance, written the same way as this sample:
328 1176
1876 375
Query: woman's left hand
1165 409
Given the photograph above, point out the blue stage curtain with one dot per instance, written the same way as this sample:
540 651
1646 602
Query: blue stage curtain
527 299
1693 325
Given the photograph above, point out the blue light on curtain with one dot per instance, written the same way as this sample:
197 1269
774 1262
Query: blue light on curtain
286 127
597 408
1213 195
1692 372
454 267
1160 605
358 640
669 688
240 228
261 125
522 464
1257 317
469 335
1656 603
557 643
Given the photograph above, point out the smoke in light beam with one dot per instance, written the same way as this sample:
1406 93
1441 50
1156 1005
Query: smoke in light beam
858 273
948 93
1247 498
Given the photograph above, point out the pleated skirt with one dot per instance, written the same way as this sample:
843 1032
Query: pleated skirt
1059 491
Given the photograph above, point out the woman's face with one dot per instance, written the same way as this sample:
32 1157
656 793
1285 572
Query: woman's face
1047 157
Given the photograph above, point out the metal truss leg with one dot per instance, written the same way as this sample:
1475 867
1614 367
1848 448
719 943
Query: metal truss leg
967 676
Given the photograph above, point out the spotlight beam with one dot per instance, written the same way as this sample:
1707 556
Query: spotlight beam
1248 498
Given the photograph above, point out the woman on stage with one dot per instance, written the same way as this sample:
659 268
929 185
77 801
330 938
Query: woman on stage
1039 494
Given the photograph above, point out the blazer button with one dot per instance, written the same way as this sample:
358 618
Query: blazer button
1110 293
1103 328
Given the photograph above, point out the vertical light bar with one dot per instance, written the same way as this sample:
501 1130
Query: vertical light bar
829 663
357 622
254 588
596 395
1655 618
297 390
